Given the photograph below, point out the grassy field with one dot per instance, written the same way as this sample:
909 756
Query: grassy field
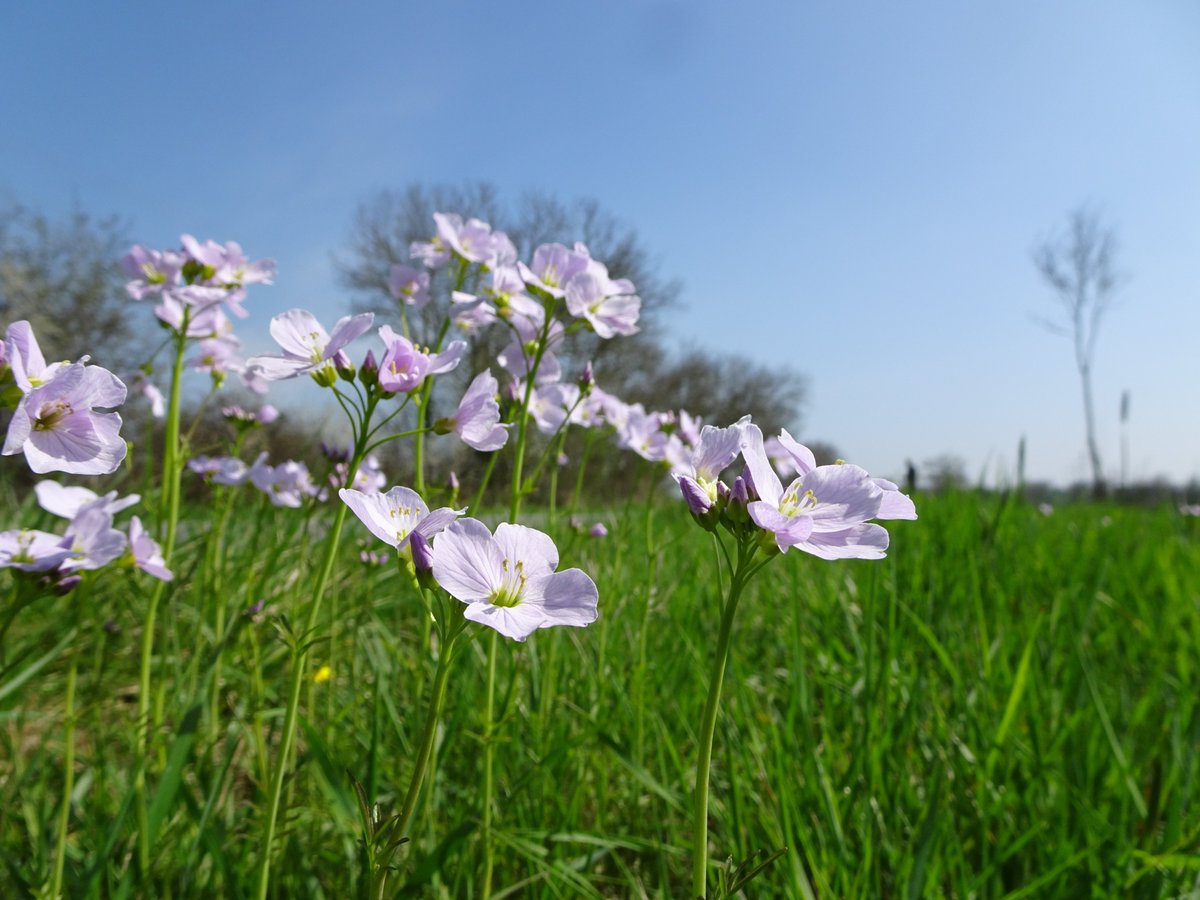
1004 707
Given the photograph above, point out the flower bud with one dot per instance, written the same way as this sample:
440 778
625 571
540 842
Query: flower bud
422 558
345 368
699 504
587 378
443 426
368 372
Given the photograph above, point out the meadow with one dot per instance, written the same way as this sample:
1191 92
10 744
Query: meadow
1004 707
295 682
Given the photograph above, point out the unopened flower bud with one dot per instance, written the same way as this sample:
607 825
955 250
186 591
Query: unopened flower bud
267 414
739 494
368 372
345 368
739 498
598 530
697 499
422 558
452 481
587 378
443 426
66 584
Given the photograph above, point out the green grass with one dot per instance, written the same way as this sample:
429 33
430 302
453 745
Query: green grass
1005 707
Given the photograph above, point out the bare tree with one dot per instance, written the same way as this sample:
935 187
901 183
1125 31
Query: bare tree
64 276
1079 265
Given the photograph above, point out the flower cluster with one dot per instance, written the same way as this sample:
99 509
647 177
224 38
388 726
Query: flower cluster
507 580
286 484
89 542
824 510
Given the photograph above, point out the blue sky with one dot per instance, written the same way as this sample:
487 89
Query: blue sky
854 189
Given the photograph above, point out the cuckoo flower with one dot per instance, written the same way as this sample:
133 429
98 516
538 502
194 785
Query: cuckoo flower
409 285
508 580
396 516
477 420
715 451
550 405
286 484
151 271
63 426
66 502
404 365
552 267
32 551
824 511
29 367
146 553
307 347
93 541
610 307
225 470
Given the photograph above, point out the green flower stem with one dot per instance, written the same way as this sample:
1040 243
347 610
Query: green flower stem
60 853
215 565
168 520
589 438
489 785
708 721
296 683
429 735
483 483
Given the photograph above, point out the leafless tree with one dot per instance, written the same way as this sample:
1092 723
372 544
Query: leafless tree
1079 264
64 277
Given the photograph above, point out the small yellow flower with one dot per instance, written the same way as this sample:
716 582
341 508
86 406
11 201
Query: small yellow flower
322 675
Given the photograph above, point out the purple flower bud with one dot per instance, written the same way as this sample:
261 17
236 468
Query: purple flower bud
422 553
67 584
598 530
562 459
740 493
697 500
722 491
255 609
452 481
368 373
422 560
588 378
345 368
267 414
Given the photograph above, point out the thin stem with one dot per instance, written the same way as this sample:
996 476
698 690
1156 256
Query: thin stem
60 853
169 519
708 721
482 489
296 683
488 764
428 736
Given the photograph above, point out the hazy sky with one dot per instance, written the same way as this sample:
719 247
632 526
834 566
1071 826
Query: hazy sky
854 189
